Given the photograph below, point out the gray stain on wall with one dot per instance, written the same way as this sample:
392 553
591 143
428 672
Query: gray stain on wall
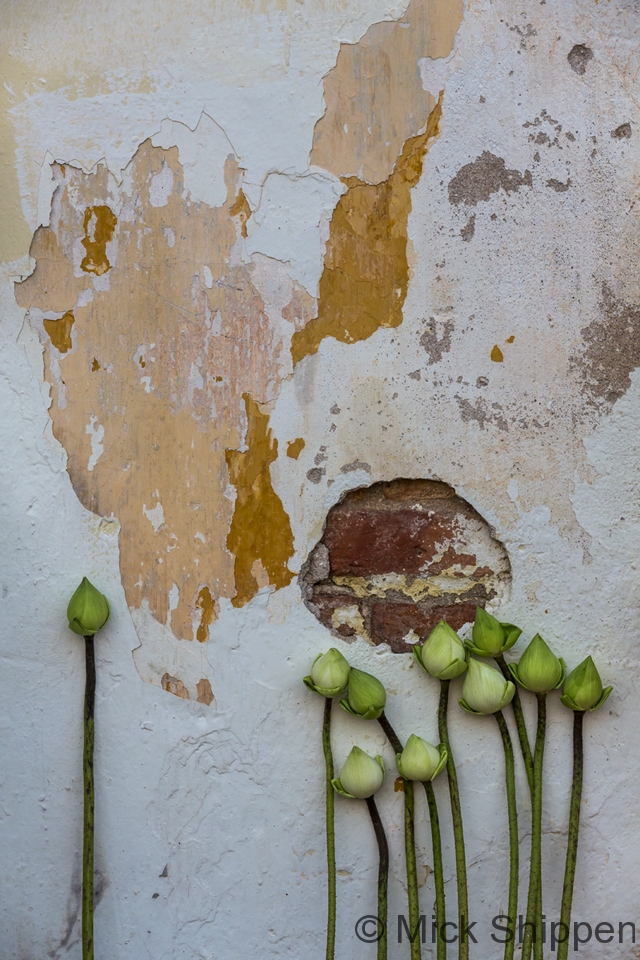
484 176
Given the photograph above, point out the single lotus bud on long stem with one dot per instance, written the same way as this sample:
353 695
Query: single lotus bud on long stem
582 691
328 678
88 611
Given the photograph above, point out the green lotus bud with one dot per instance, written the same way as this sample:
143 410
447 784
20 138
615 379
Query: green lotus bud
490 637
366 696
539 670
329 674
88 610
442 654
485 690
420 760
361 775
583 688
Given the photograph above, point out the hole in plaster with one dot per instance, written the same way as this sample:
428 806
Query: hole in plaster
396 557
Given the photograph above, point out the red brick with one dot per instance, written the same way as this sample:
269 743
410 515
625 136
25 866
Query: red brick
364 542
391 622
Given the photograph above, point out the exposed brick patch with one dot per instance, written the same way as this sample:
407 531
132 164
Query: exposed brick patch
396 558
392 622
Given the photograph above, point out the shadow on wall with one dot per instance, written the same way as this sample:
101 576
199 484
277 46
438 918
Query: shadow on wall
395 558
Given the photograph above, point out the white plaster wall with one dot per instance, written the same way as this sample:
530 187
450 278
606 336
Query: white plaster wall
230 799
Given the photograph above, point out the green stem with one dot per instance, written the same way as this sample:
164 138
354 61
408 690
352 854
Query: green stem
330 828
390 733
409 844
456 816
572 839
521 727
436 845
512 909
383 877
89 800
525 749
412 873
533 934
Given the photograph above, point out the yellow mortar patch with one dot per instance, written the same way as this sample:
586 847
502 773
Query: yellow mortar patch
60 332
453 581
260 529
349 616
99 225
174 359
375 100
366 271
295 448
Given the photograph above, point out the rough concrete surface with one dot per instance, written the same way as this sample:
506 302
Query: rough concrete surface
256 256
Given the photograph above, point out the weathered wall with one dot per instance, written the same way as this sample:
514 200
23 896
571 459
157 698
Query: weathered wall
255 256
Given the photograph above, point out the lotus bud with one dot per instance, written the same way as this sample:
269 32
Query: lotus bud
490 637
361 775
420 760
442 655
329 674
539 670
485 690
366 697
88 610
583 688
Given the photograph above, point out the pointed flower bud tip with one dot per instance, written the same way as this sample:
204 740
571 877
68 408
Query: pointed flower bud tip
582 689
539 670
420 760
443 654
329 674
361 775
485 690
88 610
490 637
366 696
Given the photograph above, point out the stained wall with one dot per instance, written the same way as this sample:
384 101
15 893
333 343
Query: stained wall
256 257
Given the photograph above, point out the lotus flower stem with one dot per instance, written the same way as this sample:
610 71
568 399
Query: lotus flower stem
412 873
383 877
525 749
89 800
330 828
516 703
533 934
456 816
390 733
512 909
436 845
409 843
574 827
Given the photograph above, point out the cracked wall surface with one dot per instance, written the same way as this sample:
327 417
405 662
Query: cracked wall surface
258 260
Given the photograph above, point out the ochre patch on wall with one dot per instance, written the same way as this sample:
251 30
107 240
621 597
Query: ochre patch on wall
60 331
171 345
295 448
374 96
99 225
366 271
260 529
